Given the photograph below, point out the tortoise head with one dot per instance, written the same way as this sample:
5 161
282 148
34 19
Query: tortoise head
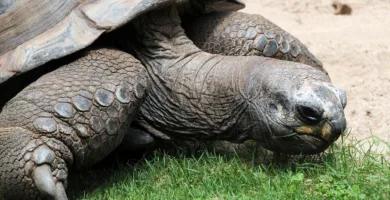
297 109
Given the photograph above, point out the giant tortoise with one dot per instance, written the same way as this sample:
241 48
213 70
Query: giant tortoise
146 75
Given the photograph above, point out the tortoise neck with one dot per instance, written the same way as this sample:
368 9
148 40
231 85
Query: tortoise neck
194 94
162 37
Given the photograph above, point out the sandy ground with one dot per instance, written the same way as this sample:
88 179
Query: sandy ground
355 50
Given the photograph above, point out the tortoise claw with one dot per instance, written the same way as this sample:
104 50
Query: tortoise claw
44 181
61 194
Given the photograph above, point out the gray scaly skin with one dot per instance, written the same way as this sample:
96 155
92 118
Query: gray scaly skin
234 33
289 107
70 118
76 115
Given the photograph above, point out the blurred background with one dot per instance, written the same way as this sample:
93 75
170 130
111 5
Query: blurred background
352 39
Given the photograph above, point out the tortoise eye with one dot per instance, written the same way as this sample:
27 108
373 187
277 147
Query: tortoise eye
309 115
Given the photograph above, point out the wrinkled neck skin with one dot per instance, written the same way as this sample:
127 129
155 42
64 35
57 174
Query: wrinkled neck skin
194 94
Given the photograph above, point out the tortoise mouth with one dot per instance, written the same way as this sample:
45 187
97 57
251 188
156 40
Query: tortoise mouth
314 140
315 137
296 143
301 135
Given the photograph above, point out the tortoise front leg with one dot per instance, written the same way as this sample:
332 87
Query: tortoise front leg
235 33
70 118
32 167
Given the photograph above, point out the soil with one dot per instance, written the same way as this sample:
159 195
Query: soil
354 48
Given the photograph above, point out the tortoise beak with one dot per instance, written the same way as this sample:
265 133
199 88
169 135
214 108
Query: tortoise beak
338 127
327 131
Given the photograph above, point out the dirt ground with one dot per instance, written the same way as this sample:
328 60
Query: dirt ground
355 50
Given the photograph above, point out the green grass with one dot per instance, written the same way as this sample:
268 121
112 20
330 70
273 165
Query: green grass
345 171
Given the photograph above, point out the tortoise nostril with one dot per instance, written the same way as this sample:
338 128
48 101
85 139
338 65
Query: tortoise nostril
309 115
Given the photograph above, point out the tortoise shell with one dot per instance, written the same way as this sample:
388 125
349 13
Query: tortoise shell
33 32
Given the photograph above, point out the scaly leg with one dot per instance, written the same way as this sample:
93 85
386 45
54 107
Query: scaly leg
70 118
235 33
